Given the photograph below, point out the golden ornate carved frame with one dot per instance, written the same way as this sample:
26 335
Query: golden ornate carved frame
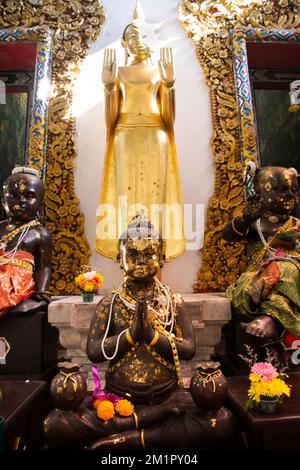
208 23
76 24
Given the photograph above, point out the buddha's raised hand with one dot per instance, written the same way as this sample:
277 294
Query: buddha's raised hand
166 66
109 70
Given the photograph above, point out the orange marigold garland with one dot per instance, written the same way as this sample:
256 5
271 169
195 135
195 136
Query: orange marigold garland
106 404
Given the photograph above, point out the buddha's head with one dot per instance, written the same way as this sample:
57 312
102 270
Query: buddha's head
140 250
23 192
278 188
132 42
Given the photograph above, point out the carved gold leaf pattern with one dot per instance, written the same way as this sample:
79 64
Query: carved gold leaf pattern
208 23
76 24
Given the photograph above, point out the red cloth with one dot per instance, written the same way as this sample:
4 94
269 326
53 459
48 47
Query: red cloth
289 339
267 277
16 282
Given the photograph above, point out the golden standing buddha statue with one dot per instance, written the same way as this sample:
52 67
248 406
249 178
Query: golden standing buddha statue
140 161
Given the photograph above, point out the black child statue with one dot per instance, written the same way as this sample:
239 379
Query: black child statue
24 245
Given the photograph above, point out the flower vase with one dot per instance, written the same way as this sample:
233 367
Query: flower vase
268 406
87 296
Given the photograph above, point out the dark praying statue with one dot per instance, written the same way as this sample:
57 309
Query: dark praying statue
143 330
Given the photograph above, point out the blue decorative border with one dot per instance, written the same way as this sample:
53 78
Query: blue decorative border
239 40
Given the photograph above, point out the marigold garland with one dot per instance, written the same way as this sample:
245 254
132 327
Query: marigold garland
106 404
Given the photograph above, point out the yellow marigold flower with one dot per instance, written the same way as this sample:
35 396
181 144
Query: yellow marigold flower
98 280
79 278
89 286
274 388
254 377
278 387
124 408
80 281
105 410
96 403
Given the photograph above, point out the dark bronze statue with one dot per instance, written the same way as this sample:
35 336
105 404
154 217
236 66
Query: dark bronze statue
143 329
24 245
144 314
268 293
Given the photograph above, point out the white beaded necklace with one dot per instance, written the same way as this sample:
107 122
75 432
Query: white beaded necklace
272 251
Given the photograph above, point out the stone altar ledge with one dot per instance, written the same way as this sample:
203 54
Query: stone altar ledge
209 313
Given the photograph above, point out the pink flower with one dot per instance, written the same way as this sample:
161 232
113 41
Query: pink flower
265 370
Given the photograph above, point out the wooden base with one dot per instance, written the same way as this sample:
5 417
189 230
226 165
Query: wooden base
33 345
278 431
23 410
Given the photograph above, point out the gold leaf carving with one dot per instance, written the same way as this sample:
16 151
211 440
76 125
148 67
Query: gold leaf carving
76 24
207 23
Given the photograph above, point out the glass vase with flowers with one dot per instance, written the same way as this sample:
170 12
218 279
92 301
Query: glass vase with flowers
89 281
267 383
